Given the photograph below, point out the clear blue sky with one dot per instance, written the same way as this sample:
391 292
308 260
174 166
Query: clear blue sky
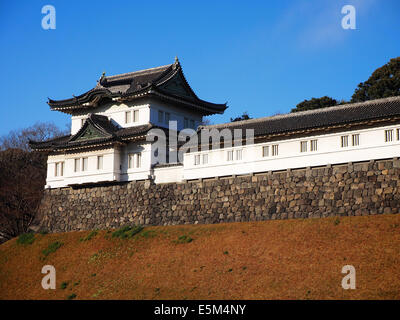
261 57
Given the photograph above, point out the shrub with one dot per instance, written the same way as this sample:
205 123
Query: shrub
26 238
127 232
71 296
184 239
64 285
43 232
337 221
52 248
148 234
89 236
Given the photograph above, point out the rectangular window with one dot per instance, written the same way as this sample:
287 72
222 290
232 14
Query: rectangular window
344 141
138 160
197 160
84 164
136 116
388 135
303 146
355 139
127 117
167 117
398 134
99 162
134 160
238 154
205 158
275 150
230 155
77 167
313 145
192 124
160 116
185 123
265 151
131 158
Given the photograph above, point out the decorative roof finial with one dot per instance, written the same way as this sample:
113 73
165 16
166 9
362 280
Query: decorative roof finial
102 77
176 60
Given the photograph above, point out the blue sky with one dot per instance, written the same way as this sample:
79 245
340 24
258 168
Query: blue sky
262 57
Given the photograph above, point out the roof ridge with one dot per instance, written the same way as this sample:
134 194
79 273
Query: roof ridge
300 113
122 75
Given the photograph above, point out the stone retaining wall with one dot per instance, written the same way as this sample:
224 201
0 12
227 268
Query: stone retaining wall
351 189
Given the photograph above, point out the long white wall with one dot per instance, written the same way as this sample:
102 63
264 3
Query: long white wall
372 145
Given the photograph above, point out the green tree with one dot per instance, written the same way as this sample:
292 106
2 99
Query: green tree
384 82
244 116
315 103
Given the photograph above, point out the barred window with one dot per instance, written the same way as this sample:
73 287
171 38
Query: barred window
77 165
127 117
167 117
197 160
314 145
59 169
134 160
398 134
84 164
136 116
275 150
388 135
205 158
131 158
230 155
344 141
355 139
303 146
265 151
238 154
99 162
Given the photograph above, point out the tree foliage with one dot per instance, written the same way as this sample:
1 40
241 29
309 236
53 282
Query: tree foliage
244 116
22 178
315 103
19 139
384 82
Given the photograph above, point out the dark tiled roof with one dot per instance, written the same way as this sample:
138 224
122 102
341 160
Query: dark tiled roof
110 134
319 118
128 86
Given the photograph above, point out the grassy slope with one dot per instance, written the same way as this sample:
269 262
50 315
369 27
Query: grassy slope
291 259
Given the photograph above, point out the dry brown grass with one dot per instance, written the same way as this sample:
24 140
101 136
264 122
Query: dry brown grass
292 259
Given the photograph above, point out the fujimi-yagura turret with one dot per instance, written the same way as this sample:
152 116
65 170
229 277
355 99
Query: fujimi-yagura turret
110 123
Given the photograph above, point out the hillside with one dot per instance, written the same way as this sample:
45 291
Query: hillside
286 259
